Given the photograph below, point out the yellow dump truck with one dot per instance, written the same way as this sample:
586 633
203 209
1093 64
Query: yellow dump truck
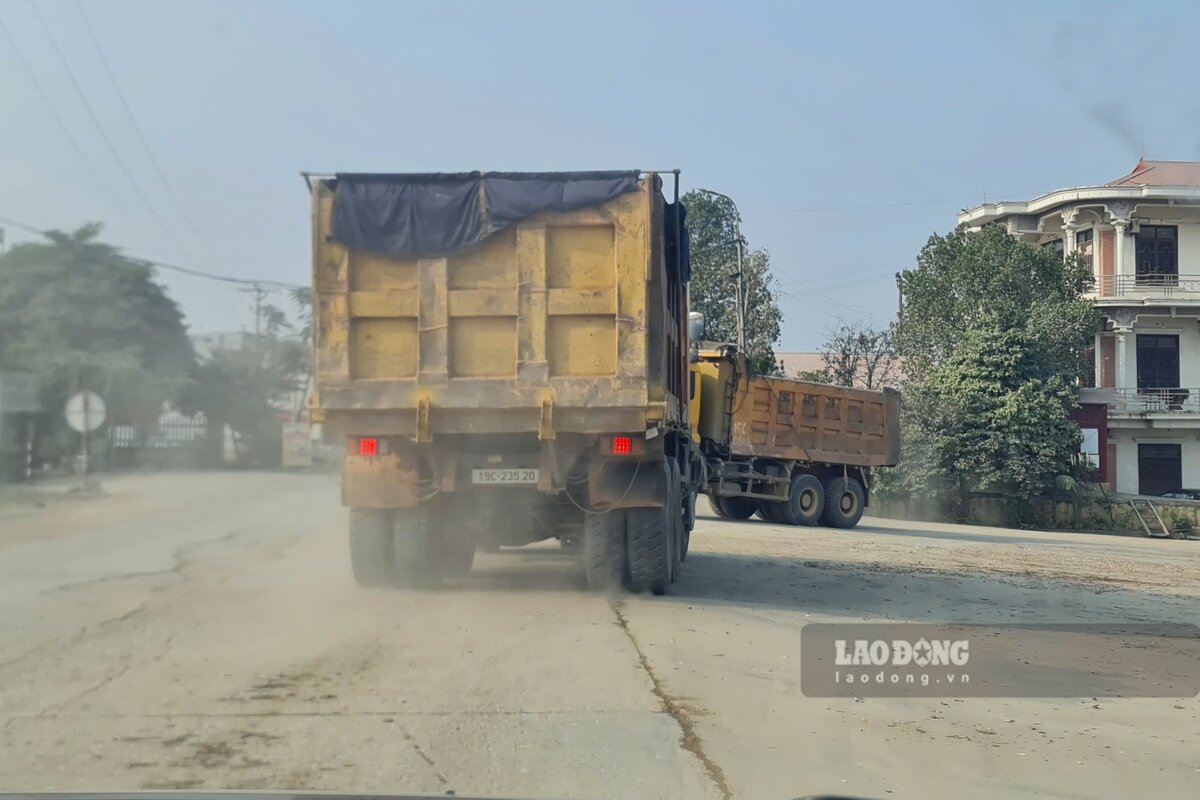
795 452
505 357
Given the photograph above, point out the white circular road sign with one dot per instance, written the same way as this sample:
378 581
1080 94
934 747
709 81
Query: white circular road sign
85 411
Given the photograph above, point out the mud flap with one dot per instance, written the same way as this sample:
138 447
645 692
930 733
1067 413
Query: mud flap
379 482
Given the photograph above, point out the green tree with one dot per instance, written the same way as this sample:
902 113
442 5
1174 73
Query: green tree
712 227
81 315
990 333
988 280
249 388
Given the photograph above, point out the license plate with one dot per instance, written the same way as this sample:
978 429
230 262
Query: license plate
506 476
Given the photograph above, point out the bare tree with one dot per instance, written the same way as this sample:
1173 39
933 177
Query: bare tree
858 355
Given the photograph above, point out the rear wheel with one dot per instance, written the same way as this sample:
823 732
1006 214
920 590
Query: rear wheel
454 555
371 546
738 507
770 510
413 548
649 541
845 501
604 548
714 503
675 509
689 521
806 501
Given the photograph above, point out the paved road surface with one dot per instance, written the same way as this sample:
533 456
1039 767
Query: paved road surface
203 631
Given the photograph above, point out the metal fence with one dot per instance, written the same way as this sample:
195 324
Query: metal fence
171 434
1148 286
1175 400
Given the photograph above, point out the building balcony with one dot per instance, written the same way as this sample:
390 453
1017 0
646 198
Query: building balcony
1165 408
1147 288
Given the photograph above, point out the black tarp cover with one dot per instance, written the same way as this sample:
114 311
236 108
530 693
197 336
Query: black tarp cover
436 214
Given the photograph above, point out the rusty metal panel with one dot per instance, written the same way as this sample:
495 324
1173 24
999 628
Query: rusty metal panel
797 420
555 307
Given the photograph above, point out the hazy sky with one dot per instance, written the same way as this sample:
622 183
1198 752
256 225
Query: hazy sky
847 132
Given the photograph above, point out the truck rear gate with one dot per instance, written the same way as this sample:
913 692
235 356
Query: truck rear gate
502 328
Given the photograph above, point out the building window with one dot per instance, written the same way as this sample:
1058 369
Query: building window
1089 448
1087 368
1157 361
1084 247
1055 245
1158 255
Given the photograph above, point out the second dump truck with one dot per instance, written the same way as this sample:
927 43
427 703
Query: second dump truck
793 452
506 359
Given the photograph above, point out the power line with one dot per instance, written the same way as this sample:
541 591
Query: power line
271 285
62 125
96 120
137 128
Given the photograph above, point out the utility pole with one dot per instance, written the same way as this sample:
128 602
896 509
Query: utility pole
259 292
259 295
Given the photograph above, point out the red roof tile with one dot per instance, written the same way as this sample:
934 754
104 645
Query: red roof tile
1161 173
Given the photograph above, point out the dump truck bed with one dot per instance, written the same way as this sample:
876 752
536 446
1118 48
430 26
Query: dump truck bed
559 320
797 420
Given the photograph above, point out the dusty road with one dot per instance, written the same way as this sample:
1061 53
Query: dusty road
203 631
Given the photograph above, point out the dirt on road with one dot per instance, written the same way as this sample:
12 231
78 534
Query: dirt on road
203 631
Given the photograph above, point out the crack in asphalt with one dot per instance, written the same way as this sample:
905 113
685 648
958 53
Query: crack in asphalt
408 737
182 558
108 679
675 709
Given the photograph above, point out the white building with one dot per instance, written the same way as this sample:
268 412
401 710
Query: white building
1141 236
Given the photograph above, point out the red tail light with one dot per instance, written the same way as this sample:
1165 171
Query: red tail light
368 447
622 445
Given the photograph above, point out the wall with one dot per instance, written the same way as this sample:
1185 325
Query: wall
1189 249
1126 442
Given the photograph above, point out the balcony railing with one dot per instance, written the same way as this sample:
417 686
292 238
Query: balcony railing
1154 401
1142 286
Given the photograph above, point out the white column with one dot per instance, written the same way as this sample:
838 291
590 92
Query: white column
1098 362
1119 247
1068 240
1122 339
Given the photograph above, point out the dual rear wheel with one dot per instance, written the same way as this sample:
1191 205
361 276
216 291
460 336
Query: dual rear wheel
837 502
641 548
400 547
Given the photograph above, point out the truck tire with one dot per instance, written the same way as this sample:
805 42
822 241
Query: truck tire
649 550
714 503
738 507
845 501
689 522
689 508
604 549
771 511
412 548
806 500
371 546
649 542
454 555
675 506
